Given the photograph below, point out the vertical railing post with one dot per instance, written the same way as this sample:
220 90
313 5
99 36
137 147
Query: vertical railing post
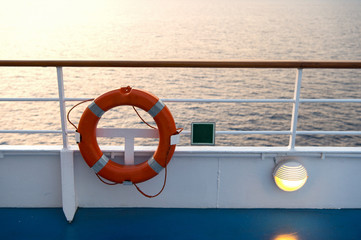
69 201
129 150
62 106
66 158
296 102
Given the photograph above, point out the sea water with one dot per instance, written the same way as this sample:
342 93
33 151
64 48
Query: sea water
177 30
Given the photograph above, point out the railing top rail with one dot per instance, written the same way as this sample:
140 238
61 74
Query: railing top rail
181 64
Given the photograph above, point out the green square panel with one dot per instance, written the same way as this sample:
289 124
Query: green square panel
203 133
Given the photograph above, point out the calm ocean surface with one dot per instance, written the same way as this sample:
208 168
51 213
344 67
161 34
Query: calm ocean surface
187 29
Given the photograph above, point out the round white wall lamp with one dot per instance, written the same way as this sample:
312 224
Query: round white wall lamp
290 175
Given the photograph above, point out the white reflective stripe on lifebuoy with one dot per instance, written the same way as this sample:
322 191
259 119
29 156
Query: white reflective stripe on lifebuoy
154 165
156 108
96 109
100 163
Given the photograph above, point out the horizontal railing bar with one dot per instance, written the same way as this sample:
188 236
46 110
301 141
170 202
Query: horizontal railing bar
40 99
253 132
230 100
181 64
328 132
119 132
330 100
164 100
245 132
30 131
285 132
29 99
104 132
196 100
127 132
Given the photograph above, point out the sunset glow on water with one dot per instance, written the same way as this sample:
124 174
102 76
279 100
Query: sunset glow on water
200 29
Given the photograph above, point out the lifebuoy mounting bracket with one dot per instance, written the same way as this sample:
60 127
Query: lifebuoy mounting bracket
77 137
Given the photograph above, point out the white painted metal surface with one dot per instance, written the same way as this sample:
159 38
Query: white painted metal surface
296 104
198 177
59 71
69 201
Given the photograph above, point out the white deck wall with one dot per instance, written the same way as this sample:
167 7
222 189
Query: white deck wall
212 178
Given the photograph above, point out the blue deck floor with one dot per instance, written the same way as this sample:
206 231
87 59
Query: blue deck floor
147 223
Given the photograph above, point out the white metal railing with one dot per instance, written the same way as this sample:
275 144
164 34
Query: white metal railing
69 201
293 132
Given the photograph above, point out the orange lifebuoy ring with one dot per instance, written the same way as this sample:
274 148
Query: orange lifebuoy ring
109 169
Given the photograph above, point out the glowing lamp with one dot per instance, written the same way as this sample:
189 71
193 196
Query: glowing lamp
290 175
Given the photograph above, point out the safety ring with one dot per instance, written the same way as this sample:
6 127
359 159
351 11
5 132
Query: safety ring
109 169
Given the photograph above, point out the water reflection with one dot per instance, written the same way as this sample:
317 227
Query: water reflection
287 236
